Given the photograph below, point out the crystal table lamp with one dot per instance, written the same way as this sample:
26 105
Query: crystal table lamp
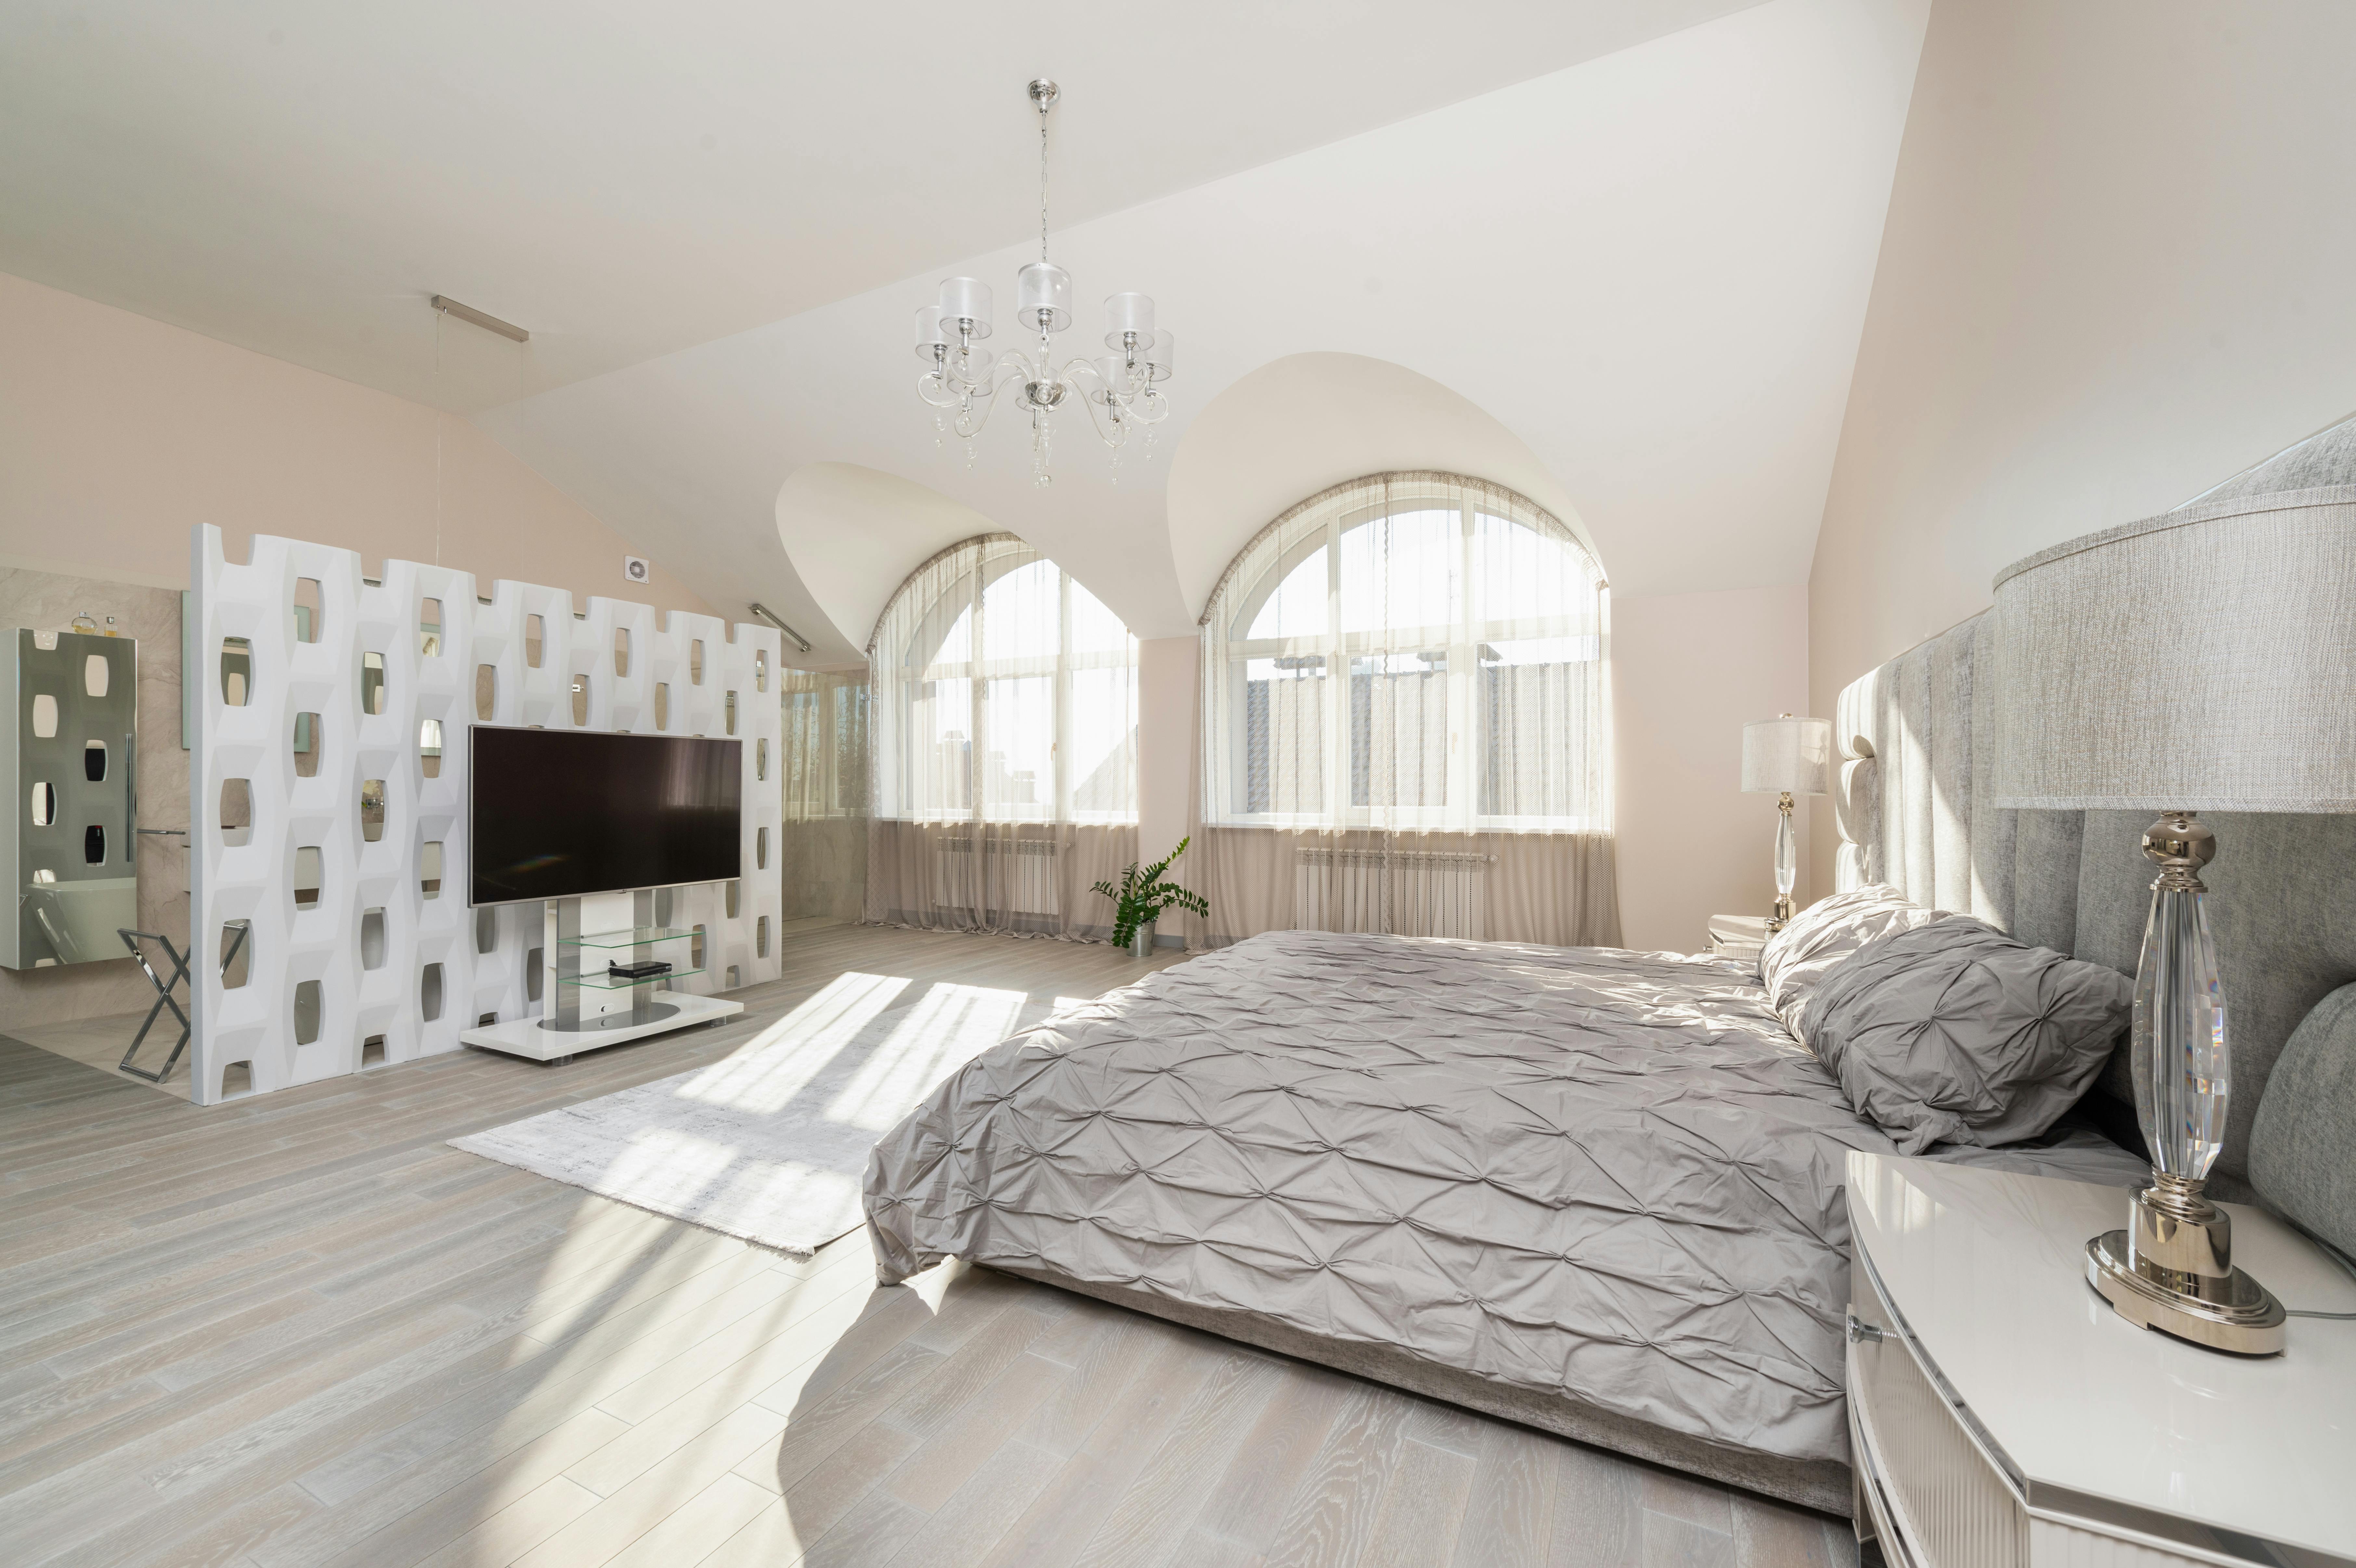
2197 661
1786 756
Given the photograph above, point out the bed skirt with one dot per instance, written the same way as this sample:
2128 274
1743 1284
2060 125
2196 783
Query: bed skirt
1819 1483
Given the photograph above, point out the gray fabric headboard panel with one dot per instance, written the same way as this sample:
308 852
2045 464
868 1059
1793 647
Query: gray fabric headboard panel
2282 895
2282 899
1914 786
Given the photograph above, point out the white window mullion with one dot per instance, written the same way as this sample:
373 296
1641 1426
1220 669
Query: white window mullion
1060 749
976 688
1338 804
1463 683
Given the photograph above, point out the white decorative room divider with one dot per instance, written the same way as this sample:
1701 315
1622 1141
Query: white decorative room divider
359 947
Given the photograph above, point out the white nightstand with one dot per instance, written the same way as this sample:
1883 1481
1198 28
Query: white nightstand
1737 935
2001 1413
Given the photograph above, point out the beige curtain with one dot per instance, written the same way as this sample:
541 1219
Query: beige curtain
1406 722
1559 889
1024 879
1003 723
822 773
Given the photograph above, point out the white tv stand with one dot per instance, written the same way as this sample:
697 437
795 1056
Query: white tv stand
585 1008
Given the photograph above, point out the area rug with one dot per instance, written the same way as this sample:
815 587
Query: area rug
770 1145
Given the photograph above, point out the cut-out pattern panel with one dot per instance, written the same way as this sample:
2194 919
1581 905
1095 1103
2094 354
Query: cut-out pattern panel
448 657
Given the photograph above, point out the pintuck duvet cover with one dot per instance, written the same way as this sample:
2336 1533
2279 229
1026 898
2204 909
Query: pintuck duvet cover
1608 1176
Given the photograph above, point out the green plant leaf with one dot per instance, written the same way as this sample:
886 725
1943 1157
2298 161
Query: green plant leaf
1144 895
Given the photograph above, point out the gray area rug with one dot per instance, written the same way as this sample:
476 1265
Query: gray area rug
770 1145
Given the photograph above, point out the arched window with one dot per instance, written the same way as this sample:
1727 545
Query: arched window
1003 691
1002 724
1409 652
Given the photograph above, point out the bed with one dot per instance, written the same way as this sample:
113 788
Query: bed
1593 1190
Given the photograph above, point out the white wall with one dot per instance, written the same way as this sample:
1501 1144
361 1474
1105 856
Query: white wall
119 433
1688 670
2115 271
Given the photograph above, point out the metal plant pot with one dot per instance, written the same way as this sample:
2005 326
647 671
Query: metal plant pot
1140 945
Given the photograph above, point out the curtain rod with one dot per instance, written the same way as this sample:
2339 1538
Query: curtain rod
765 614
483 319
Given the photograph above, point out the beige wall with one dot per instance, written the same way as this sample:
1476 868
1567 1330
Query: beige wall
118 433
2114 272
1167 669
1688 670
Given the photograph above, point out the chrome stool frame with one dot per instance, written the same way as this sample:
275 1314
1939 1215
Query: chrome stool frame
163 989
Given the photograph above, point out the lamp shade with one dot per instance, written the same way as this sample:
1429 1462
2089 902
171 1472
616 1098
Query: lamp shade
965 300
1787 755
1164 356
2201 660
1125 313
1112 370
1043 294
929 334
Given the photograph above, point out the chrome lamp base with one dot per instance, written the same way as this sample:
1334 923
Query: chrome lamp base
2173 1271
2172 1268
1787 864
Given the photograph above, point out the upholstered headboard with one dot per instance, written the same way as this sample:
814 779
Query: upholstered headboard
1911 805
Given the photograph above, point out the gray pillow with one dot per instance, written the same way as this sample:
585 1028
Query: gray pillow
2303 1143
1795 960
1957 1033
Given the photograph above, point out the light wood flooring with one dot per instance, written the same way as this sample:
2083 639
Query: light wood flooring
298 1332
101 1042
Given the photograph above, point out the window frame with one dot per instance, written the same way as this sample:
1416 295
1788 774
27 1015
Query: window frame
919 667
1467 695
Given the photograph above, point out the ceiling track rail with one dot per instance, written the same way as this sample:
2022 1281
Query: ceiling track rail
483 319
767 614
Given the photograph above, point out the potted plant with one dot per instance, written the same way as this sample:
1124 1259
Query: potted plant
1141 896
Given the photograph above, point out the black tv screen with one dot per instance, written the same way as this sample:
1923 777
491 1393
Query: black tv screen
555 814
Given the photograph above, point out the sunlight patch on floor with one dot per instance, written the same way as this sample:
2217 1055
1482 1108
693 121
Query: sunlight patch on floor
944 1027
761 1078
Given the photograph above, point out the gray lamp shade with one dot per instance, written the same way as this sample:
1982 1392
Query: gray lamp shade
1787 754
2203 660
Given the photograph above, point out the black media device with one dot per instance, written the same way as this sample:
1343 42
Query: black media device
646 971
555 813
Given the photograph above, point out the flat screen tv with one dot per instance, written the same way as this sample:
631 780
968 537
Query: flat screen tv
555 814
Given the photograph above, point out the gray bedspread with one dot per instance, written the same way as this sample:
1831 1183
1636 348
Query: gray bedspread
1582 1172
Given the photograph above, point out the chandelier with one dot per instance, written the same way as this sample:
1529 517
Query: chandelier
1114 388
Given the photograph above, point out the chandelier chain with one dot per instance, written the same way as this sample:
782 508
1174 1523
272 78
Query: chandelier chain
1042 182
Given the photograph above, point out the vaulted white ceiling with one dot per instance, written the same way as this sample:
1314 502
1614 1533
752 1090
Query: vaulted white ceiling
628 179
1624 249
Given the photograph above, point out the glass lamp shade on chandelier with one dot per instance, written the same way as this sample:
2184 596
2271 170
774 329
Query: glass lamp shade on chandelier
1116 389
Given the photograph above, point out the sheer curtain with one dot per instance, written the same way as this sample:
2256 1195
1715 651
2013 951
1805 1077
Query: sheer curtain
1406 724
1003 709
822 771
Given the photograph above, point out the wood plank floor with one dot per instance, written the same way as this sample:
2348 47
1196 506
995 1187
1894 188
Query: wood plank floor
298 1332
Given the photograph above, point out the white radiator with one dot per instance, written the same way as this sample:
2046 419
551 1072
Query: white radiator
1406 893
1017 876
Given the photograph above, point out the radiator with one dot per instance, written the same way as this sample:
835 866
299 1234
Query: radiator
1403 893
1014 876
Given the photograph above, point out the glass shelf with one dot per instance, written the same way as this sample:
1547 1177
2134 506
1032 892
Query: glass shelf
599 980
636 936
